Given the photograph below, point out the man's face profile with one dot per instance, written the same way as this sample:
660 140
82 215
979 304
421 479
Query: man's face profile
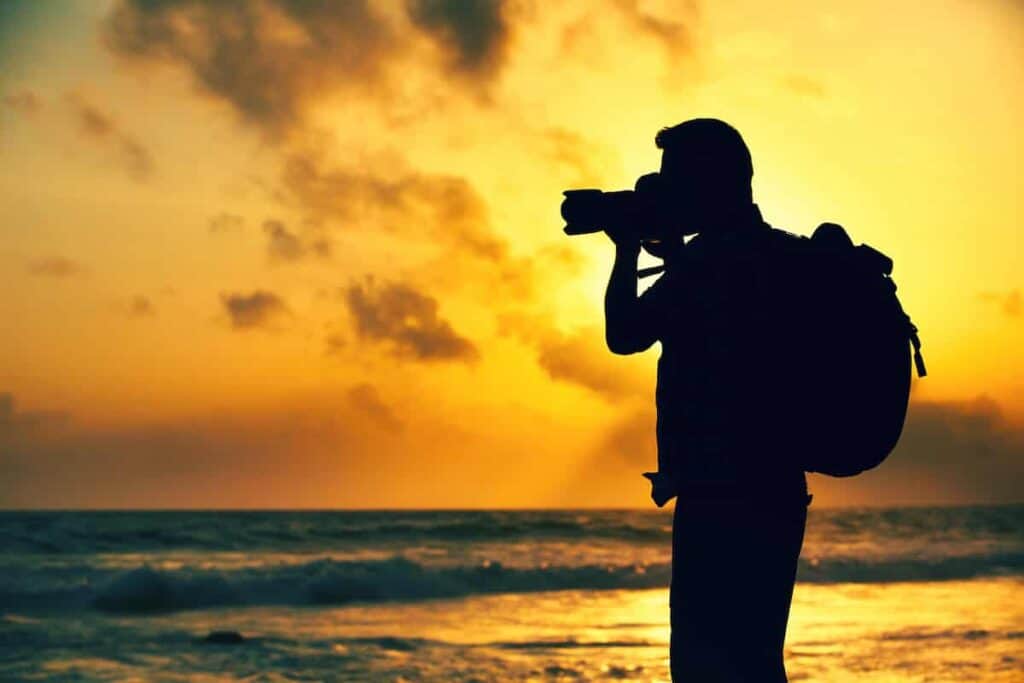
698 187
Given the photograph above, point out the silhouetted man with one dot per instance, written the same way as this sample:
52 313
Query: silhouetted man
722 312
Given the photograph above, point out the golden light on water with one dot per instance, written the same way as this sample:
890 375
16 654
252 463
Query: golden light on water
911 632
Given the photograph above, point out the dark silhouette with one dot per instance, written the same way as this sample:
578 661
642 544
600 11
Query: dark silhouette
780 355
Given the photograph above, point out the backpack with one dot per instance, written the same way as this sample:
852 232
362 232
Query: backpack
826 369
848 375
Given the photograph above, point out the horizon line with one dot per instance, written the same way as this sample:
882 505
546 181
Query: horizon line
666 509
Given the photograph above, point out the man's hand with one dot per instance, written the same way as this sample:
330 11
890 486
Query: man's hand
663 489
626 239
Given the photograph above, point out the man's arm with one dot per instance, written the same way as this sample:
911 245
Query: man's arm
627 328
631 325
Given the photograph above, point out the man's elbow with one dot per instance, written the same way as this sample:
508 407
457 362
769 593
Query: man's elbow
622 345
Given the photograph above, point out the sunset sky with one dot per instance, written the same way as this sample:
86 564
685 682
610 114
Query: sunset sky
302 254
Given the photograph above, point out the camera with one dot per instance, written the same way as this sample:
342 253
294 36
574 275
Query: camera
647 209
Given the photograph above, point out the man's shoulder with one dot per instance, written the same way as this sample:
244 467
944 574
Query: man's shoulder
785 238
784 247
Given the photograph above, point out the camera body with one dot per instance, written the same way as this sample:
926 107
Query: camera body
648 210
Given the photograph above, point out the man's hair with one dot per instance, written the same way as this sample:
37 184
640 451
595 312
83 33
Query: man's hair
716 142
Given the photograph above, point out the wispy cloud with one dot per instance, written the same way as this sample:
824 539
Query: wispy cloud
580 357
406 321
24 101
446 208
254 310
225 222
284 245
100 126
950 452
56 266
474 35
49 460
141 307
669 26
366 399
17 424
1011 303
270 60
804 86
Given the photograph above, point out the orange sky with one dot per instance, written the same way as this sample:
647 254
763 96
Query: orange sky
268 255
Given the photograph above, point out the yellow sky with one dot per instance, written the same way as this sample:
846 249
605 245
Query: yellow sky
217 224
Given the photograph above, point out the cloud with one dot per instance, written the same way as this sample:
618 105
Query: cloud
613 466
256 309
475 34
580 357
213 460
366 399
57 266
267 59
335 343
274 61
270 60
285 246
951 452
669 26
631 441
560 257
406 321
1010 303
508 286
282 244
583 359
25 102
973 434
15 424
141 307
100 126
446 208
547 267
326 448
226 222
805 86
587 160
588 35
443 213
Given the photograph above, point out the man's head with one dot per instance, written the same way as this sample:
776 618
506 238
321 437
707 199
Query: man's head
707 168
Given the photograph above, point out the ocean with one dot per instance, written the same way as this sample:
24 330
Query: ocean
907 594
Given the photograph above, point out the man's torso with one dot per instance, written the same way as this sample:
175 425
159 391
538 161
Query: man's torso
728 310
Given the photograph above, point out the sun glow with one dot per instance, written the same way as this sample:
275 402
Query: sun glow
184 238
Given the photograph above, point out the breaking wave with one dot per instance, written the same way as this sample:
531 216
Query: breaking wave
330 582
